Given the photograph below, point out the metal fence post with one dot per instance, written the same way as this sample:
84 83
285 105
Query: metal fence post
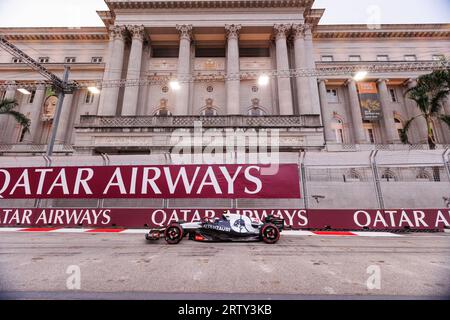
106 161
302 169
446 160
379 192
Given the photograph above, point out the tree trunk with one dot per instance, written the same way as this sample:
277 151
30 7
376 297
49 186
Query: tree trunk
431 138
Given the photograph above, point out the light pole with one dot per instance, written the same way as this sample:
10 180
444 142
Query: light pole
62 93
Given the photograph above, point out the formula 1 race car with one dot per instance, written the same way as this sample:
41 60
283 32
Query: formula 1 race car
231 227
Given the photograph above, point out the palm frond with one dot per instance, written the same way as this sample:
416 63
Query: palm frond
437 100
446 119
21 119
7 105
404 132
420 97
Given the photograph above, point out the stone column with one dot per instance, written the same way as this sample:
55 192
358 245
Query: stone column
233 81
184 69
326 112
355 108
418 130
5 135
303 91
284 82
388 115
110 95
35 117
106 74
64 120
311 65
131 94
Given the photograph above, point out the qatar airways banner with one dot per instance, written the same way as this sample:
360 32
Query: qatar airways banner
347 219
159 181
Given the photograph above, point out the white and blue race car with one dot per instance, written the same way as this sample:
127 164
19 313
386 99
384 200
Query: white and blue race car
230 227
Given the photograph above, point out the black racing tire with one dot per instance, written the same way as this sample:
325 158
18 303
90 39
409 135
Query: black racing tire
270 233
173 233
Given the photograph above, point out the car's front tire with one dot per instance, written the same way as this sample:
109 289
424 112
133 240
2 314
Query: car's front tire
270 233
173 233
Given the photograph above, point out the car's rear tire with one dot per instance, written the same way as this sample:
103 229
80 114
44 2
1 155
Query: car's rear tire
173 233
270 233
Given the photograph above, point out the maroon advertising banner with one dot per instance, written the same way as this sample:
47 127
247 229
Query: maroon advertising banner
314 219
159 181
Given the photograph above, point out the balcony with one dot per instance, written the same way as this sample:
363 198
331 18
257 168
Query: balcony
33 149
308 121
110 134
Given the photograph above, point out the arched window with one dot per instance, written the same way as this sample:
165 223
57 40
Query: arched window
255 110
422 175
209 112
369 129
398 126
388 176
209 109
338 128
163 109
353 176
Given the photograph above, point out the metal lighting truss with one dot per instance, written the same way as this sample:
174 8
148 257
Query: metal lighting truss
321 71
52 79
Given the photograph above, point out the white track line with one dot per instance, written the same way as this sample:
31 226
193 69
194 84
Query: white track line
295 233
376 234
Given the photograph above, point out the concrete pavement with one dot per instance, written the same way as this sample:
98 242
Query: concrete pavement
126 266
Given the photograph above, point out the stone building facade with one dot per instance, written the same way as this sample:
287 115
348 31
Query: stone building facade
162 65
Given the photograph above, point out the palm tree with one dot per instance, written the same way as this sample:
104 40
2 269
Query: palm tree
429 95
7 108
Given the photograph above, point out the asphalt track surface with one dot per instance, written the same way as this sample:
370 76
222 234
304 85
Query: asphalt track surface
125 266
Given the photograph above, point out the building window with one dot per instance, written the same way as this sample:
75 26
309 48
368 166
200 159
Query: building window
393 95
382 57
32 96
165 52
255 89
16 60
388 176
209 88
44 59
89 97
338 127
423 176
399 127
209 112
327 59
165 89
354 58
332 95
410 57
438 57
370 136
70 60
255 112
352 176
210 52
254 52
163 112
97 59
